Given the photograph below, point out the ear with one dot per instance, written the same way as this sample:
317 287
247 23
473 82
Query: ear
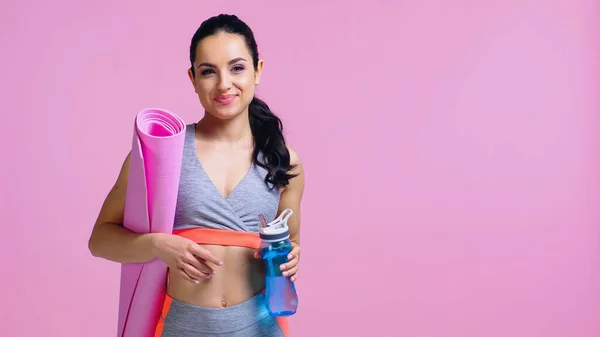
191 76
258 71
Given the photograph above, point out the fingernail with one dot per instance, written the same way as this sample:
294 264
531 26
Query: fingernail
285 273
196 281
207 276
214 272
220 263
290 256
293 279
282 267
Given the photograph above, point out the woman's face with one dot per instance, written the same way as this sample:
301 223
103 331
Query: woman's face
225 77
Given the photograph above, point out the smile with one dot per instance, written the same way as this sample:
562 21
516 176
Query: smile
225 99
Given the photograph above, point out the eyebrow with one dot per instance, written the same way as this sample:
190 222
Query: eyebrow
235 60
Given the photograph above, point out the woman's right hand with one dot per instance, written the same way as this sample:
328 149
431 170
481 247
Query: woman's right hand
185 256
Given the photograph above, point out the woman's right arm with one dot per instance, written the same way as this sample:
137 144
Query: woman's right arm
112 241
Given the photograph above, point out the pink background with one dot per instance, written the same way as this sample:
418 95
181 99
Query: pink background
451 147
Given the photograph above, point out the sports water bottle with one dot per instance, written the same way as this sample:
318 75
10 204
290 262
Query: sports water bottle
280 296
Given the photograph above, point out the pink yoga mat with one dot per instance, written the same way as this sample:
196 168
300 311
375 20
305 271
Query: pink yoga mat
158 138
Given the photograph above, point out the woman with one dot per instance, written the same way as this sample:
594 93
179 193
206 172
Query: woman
236 166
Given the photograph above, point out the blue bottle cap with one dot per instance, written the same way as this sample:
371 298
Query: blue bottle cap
277 229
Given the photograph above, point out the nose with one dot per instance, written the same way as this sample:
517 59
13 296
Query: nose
224 82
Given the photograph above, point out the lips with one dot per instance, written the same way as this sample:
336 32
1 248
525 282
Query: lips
225 99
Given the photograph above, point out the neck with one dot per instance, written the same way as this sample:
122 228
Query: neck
232 131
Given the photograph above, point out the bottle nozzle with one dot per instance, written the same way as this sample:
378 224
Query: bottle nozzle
276 229
263 222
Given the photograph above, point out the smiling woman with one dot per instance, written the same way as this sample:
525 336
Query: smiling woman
225 88
236 166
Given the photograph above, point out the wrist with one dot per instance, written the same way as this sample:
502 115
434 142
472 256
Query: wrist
155 240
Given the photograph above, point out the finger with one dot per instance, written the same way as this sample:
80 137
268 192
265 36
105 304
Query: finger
205 254
294 278
195 273
199 265
257 254
294 253
186 276
291 272
291 263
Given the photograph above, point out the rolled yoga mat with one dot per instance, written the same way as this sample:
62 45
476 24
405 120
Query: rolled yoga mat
155 163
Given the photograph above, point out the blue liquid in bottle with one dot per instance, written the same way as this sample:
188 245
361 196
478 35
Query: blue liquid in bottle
280 295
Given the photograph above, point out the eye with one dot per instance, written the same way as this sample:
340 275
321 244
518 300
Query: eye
206 72
238 68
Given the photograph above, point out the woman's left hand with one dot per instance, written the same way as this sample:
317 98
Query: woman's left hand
290 268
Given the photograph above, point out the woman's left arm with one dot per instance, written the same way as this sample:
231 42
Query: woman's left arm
291 198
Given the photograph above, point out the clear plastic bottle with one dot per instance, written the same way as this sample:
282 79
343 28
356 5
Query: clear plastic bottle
280 296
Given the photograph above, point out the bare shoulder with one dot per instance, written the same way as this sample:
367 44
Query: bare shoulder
121 182
295 161
296 184
113 208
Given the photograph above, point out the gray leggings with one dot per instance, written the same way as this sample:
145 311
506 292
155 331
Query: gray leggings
247 319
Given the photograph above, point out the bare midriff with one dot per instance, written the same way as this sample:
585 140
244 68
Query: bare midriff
239 278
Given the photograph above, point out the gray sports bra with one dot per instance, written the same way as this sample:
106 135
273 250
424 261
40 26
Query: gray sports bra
199 203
